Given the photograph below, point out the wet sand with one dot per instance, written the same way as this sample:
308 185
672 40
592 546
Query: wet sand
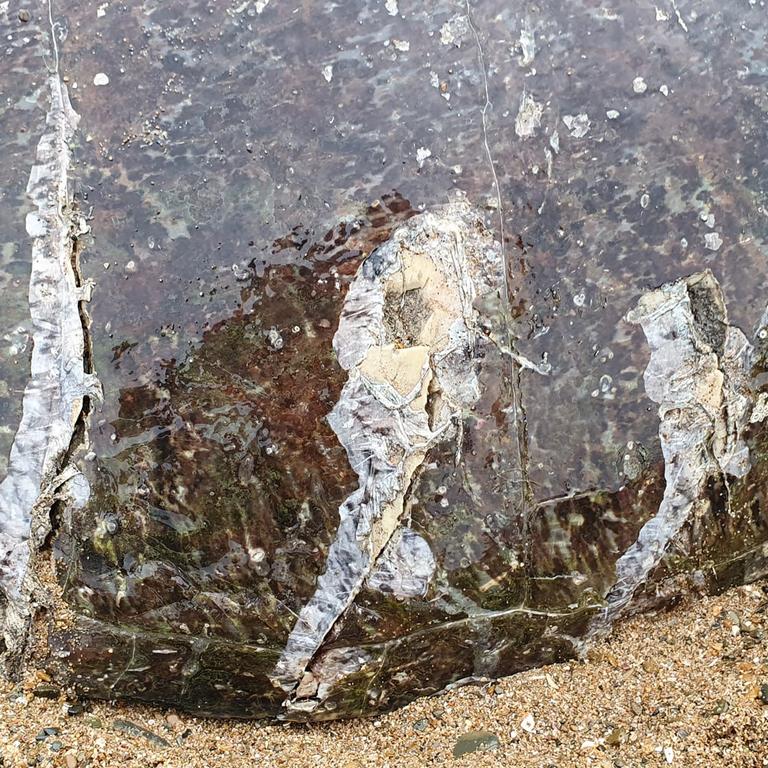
688 688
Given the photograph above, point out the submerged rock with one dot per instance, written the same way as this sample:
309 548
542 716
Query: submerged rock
354 452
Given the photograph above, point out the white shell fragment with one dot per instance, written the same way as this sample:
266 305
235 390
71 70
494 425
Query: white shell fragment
422 153
528 116
713 241
578 125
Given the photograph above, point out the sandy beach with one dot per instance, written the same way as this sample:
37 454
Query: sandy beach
683 688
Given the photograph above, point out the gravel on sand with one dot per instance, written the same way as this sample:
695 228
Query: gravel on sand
684 688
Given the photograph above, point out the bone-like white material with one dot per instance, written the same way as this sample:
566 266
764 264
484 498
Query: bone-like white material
697 374
53 397
397 401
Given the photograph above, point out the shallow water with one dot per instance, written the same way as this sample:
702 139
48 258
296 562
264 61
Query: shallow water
236 164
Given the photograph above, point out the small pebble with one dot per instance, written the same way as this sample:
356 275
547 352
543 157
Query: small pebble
131 729
474 741
101 79
24 16
639 85
241 273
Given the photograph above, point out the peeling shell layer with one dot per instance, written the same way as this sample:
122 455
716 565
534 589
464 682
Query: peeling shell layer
406 337
53 398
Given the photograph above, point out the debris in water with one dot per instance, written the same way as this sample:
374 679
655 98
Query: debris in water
422 153
697 373
528 117
578 125
713 241
275 339
241 273
680 20
474 741
454 30
527 45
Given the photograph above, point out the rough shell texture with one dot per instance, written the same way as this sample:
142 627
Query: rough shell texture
430 343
